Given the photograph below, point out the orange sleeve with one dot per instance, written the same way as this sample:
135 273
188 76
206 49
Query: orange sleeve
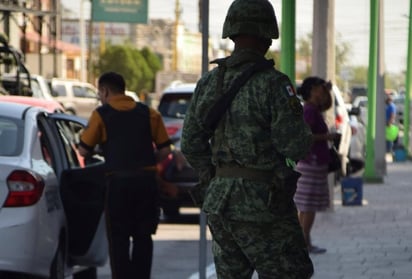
95 132
159 133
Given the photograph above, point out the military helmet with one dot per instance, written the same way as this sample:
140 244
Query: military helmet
251 17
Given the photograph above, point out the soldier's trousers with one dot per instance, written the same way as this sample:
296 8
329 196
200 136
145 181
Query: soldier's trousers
275 250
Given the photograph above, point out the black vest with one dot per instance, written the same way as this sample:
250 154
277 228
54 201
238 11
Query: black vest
129 144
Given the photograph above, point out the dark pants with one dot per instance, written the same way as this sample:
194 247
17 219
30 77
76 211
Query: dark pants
132 216
274 249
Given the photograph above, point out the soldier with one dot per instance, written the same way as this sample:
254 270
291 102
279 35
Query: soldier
245 158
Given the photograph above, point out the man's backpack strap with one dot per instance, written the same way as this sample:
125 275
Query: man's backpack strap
220 107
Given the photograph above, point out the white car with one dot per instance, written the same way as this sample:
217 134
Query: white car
77 97
342 126
51 220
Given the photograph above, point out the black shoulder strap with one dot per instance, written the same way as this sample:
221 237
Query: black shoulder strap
219 108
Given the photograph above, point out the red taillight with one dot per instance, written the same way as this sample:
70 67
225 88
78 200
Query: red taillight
338 121
25 188
171 130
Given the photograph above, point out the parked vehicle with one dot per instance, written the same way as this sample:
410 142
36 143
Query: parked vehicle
51 205
12 63
173 105
49 105
132 95
399 102
358 90
78 98
342 126
357 150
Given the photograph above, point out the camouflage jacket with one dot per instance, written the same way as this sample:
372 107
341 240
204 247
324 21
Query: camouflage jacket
263 125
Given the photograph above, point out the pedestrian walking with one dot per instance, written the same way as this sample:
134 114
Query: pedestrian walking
242 132
127 132
312 193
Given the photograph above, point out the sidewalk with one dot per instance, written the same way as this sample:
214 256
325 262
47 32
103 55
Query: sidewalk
372 241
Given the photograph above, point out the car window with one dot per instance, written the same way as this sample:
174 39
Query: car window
78 91
68 134
36 89
89 93
11 137
174 105
60 90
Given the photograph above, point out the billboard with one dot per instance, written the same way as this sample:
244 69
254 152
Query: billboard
115 33
130 11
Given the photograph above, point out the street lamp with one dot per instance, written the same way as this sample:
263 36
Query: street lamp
82 26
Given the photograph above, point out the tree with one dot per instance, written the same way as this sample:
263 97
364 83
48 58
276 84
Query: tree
137 67
304 54
153 62
360 75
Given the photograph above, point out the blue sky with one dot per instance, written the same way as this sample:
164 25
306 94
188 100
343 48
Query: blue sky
351 22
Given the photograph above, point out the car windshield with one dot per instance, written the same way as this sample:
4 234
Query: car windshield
41 91
11 136
174 105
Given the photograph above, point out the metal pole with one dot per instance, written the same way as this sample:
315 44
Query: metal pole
82 43
380 148
370 173
288 34
55 37
408 86
40 44
205 65
89 44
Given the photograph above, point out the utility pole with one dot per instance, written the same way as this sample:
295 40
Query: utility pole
175 35
323 59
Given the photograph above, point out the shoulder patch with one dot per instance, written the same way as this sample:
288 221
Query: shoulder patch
290 90
293 100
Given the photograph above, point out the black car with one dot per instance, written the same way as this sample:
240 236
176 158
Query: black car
174 182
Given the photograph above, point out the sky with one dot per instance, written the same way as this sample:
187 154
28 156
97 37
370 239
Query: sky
351 23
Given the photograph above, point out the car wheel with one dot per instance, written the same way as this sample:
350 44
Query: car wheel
57 266
90 273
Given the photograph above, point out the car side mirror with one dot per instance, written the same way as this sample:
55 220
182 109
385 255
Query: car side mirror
354 111
54 93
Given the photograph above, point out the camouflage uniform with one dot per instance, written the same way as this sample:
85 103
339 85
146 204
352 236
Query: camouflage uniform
253 219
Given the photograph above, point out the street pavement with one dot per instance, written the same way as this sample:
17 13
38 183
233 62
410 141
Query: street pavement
369 241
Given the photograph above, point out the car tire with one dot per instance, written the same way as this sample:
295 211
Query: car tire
57 267
90 273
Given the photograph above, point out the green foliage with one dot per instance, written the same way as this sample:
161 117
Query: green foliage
275 55
138 68
359 75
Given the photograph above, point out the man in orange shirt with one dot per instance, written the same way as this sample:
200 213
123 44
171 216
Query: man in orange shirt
133 138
